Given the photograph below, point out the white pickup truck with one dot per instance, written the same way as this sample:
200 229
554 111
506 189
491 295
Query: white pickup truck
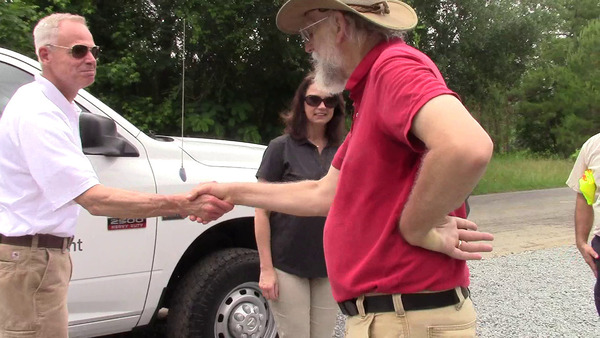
130 272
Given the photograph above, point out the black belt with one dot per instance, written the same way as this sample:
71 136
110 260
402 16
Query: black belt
44 241
410 302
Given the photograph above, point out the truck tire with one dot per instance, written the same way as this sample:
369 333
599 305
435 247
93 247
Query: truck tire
219 297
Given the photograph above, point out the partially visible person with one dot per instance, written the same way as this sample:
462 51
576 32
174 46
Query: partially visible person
588 159
45 177
396 238
293 276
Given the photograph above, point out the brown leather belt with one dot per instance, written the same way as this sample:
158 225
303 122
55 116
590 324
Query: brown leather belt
410 302
44 241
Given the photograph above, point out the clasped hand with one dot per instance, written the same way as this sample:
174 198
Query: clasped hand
209 206
204 207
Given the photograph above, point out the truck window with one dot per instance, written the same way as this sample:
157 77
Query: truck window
11 78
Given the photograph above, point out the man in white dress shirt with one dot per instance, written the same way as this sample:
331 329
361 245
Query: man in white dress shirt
45 178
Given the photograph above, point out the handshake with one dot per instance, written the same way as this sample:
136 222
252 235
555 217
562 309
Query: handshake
205 203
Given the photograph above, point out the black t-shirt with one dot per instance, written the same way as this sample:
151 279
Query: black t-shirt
296 242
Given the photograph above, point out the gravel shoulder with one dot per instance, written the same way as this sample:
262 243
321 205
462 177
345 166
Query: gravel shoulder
534 283
543 293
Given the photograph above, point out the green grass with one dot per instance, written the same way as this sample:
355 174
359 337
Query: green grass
517 172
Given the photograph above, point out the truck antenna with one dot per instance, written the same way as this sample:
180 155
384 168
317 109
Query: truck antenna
182 169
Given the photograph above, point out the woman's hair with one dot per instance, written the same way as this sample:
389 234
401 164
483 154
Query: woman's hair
46 31
296 121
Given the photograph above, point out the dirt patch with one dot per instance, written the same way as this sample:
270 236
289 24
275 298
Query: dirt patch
525 221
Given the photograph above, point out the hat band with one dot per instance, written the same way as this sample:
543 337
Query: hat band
380 8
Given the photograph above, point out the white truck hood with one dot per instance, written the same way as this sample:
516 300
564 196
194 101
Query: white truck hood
220 153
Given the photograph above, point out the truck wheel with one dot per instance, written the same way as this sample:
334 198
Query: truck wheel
219 297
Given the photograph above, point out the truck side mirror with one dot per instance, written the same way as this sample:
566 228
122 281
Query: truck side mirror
99 137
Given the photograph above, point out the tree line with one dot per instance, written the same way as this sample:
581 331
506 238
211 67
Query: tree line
527 70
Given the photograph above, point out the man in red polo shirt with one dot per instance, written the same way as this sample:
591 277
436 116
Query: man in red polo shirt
395 239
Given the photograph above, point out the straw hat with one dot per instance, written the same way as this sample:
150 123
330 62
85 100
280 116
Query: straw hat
392 14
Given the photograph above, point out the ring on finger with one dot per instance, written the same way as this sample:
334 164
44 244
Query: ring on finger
459 243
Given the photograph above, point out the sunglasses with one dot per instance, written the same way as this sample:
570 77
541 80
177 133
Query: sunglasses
315 101
80 51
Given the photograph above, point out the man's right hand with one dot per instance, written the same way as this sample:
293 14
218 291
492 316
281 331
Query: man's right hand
589 256
208 193
204 208
210 188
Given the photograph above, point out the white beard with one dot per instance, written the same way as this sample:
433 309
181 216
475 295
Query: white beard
329 70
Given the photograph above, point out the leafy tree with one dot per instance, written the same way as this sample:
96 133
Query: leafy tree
15 32
240 71
558 95
482 48
578 93
18 17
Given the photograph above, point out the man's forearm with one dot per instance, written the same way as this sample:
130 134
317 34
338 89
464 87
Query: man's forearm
304 198
444 181
262 232
106 201
297 198
458 153
584 219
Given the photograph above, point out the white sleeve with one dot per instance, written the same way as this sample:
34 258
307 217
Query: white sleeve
54 157
580 166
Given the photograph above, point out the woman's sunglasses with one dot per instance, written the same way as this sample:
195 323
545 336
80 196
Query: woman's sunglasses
315 101
80 51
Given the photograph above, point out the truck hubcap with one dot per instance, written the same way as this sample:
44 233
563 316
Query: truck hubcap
244 313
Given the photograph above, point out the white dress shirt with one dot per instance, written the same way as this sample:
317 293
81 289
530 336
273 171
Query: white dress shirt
42 165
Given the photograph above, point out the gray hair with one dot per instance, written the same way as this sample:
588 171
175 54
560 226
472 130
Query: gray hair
46 30
362 29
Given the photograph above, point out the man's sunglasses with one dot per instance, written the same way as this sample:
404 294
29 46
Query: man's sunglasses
305 34
315 101
80 51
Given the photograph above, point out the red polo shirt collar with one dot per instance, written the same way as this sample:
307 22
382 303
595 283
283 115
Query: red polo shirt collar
356 82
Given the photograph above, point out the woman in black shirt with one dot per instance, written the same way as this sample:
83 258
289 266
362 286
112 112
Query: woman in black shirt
293 276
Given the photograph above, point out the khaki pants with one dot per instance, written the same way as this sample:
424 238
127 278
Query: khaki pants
33 291
305 308
450 321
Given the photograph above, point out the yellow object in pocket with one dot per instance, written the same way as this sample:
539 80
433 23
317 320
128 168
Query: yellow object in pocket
587 186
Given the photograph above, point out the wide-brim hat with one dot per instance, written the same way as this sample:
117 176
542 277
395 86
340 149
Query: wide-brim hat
390 14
